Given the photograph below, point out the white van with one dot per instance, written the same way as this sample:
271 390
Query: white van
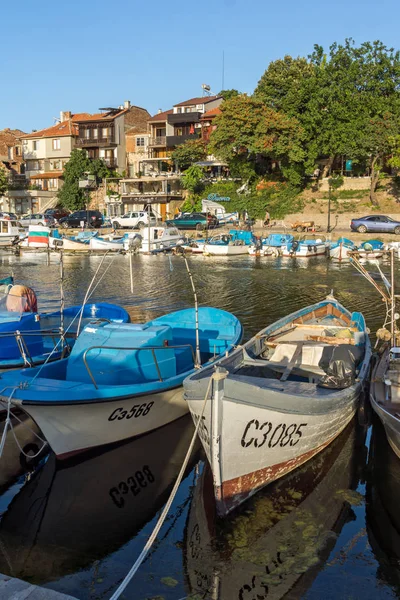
135 219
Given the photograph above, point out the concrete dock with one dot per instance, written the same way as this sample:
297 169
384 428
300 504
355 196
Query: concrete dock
16 589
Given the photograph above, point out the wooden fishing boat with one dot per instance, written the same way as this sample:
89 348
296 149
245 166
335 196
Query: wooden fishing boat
120 380
281 398
234 243
344 248
385 394
70 514
268 546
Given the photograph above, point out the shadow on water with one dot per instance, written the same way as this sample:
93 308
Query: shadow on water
383 507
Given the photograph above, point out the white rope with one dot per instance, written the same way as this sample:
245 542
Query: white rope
164 513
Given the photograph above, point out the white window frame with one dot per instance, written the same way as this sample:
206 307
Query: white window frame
56 144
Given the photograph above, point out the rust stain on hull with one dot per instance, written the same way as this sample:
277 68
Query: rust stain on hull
235 491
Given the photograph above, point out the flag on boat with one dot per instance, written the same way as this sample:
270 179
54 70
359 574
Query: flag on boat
38 235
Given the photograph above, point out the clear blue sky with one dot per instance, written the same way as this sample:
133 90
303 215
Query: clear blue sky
82 55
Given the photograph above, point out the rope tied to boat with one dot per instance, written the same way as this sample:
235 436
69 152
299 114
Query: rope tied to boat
167 506
9 426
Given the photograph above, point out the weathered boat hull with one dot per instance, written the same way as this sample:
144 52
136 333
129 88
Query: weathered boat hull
262 443
389 417
105 246
73 428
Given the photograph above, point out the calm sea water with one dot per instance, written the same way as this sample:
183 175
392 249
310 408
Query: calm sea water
329 530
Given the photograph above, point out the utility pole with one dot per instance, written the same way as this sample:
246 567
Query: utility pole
328 229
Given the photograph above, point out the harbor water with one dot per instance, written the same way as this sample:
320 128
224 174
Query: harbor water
330 529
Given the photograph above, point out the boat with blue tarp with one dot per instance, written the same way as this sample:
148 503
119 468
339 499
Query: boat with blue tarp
29 337
305 246
270 245
229 244
121 379
343 248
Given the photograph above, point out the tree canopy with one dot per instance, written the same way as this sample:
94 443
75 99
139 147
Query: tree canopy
188 153
71 196
3 181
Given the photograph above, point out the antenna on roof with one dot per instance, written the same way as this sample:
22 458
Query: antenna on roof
206 89
56 120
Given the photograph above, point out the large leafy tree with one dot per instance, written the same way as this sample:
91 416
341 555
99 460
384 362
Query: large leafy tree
249 135
189 153
71 196
228 94
3 181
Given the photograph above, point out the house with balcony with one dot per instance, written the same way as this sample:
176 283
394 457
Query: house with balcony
158 190
173 127
103 136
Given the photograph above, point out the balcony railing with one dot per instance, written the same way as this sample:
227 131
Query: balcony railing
176 140
92 142
192 117
157 141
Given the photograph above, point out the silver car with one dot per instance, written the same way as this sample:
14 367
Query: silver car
37 219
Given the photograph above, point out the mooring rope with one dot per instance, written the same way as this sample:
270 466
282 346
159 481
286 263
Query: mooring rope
165 511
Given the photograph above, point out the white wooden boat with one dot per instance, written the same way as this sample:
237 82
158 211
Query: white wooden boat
275 547
9 232
385 395
104 245
343 249
284 396
194 246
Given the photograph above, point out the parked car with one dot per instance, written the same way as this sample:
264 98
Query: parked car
57 213
90 218
36 219
134 219
8 215
194 220
376 224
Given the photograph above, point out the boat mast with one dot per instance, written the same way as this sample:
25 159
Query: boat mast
393 328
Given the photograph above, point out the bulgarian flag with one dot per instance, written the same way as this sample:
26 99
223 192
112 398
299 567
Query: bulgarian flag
38 236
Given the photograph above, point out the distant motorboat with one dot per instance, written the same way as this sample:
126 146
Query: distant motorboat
305 247
235 243
271 245
344 248
157 239
9 232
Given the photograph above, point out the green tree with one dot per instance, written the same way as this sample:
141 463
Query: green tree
192 180
228 94
3 181
249 135
189 153
71 196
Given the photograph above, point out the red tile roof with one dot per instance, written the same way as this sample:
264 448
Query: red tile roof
161 116
49 175
105 116
61 129
203 100
211 113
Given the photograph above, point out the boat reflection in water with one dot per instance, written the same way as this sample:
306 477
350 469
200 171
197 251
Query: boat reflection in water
382 509
278 540
70 514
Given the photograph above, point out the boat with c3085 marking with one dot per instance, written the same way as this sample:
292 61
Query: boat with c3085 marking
280 399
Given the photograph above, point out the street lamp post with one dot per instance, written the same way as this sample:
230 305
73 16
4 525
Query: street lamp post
328 229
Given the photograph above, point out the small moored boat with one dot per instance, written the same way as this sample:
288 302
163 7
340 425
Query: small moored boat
281 398
120 380
305 247
234 243
271 245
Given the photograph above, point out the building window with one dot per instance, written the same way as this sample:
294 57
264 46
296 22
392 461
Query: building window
179 110
10 152
52 184
95 134
87 133
105 132
140 141
17 151
57 144
34 145
55 165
